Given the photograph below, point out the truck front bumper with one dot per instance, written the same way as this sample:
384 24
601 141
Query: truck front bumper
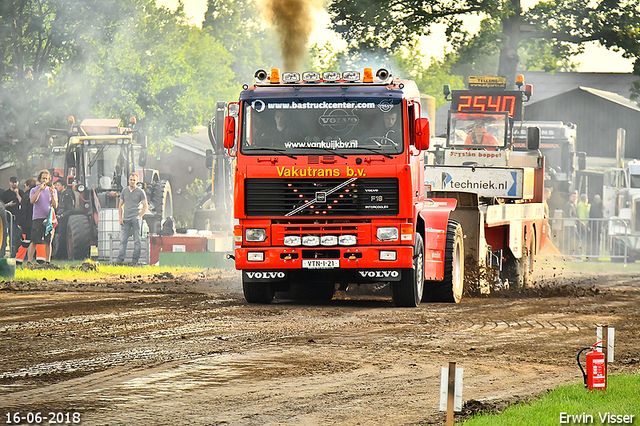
362 264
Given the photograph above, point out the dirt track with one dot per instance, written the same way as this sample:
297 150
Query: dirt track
188 350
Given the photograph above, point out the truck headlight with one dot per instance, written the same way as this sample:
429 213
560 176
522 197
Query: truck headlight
387 234
255 235
292 240
388 255
347 240
310 240
255 256
329 240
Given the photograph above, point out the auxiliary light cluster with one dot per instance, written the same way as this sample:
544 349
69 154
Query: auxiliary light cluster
119 141
316 240
275 77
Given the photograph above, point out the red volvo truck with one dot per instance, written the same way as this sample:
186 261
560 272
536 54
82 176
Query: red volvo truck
329 189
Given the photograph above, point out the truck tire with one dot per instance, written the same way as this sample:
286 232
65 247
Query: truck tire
79 237
527 263
3 230
451 288
160 205
408 291
514 269
261 293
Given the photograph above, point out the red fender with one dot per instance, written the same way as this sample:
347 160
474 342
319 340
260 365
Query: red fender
435 214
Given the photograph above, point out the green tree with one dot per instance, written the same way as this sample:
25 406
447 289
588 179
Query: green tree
159 69
36 38
239 26
506 28
107 59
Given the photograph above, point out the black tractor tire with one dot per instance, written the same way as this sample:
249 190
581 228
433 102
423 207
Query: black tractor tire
408 291
160 205
4 231
79 237
451 288
261 293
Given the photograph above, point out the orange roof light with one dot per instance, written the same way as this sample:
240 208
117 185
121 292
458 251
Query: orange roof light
519 80
368 75
275 76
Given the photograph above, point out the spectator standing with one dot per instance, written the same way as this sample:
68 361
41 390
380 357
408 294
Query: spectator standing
130 214
65 207
12 198
582 208
570 225
25 218
43 197
596 214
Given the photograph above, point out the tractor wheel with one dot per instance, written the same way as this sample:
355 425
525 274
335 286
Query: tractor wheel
79 237
160 205
258 292
408 291
3 230
450 289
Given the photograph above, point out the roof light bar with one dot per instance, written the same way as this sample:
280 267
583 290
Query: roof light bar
331 76
290 77
311 76
351 75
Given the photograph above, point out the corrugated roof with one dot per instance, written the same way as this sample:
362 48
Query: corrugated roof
198 143
546 85
612 97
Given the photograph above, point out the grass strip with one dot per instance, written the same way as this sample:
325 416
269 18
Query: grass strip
573 404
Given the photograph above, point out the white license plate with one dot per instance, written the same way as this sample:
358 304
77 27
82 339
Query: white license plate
320 263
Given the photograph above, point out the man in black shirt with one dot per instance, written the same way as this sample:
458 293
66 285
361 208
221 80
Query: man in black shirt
12 198
66 205
25 217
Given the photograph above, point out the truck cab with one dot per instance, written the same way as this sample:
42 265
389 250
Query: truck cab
329 187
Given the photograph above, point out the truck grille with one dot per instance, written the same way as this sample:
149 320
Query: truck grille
356 197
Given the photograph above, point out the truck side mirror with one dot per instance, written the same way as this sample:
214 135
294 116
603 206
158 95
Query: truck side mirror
582 160
533 138
229 132
422 133
208 159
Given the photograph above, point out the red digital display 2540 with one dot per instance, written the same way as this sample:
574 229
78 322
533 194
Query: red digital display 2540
489 101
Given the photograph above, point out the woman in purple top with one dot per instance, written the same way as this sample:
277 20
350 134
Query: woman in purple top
43 197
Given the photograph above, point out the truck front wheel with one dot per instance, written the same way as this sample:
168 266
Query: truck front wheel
257 292
408 291
450 289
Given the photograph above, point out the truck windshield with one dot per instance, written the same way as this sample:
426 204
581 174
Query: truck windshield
339 127
477 130
106 166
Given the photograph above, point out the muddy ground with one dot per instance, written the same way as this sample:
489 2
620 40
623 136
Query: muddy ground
187 350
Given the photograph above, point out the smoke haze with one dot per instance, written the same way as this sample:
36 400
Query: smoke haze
293 21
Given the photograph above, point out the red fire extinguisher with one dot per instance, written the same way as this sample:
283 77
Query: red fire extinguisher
595 377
